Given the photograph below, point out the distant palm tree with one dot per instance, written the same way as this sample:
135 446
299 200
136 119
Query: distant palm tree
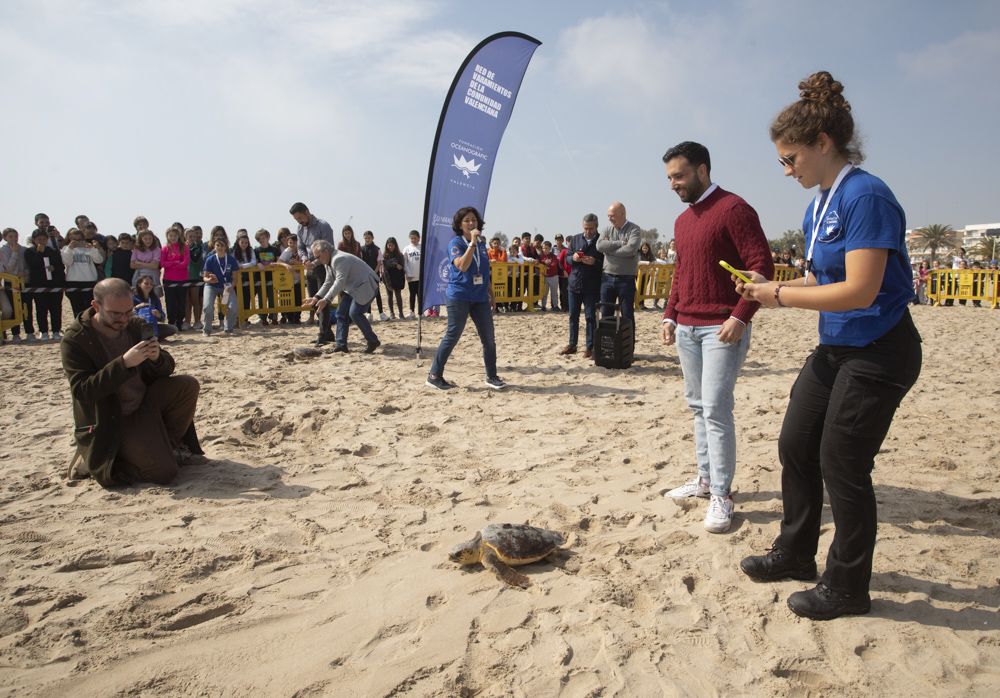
986 248
934 237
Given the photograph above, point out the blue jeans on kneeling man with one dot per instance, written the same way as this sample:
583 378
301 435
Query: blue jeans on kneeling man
349 310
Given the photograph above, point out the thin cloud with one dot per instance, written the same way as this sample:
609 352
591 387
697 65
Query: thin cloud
965 56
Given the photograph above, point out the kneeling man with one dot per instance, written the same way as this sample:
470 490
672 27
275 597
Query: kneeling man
133 419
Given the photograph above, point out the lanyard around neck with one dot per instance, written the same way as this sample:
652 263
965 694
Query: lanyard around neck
818 221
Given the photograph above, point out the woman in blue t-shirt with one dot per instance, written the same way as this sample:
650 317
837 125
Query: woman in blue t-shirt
470 293
868 356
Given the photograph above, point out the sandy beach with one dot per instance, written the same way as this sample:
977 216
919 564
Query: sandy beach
310 557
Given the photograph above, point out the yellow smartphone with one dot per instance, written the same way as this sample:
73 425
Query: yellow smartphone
738 274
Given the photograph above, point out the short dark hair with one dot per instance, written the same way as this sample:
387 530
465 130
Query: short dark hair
40 216
456 222
695 153
590 218
298 207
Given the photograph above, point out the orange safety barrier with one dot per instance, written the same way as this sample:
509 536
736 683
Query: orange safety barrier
964 285
268 291
515 282
12 285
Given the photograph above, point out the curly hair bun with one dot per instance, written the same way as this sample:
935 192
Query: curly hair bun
821 87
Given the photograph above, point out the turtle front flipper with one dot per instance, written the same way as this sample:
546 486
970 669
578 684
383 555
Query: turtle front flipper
503 571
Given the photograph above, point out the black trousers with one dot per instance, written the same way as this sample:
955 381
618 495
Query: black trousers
840 410
414 287
564 293
48 306
396 293
176 299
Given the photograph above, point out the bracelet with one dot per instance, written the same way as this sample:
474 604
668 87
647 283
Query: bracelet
777 296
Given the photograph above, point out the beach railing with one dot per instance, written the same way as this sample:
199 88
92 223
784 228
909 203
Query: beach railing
269 290
516 282
12 285
652 282
964 285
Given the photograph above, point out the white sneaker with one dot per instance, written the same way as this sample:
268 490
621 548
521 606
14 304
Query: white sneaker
719 517
383 317
185 326
695 488
197 326
410 315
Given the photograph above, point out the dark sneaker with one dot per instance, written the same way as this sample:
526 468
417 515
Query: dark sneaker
568 349
439 382
496 383
823 603
778 564
339 349
372 346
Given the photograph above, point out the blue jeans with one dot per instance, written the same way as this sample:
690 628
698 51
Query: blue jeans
350 310
208 308
710 370
589 302
618 289
458 315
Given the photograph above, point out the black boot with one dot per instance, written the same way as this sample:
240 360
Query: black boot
823 603
777 564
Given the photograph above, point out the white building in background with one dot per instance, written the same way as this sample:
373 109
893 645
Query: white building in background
972 234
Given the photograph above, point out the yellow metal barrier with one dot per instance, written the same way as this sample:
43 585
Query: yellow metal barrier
514 282
271 290
653 282
964 285
12 284
785 272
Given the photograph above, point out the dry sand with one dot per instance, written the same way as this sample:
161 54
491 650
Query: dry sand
310 557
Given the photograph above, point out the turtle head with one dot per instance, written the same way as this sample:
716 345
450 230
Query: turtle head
466 553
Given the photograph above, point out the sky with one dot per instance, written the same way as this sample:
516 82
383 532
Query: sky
225 112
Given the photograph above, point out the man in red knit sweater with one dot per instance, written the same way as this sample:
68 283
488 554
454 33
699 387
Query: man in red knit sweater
709 321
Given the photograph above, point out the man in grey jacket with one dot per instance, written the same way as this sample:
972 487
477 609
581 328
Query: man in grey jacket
620 246
352 277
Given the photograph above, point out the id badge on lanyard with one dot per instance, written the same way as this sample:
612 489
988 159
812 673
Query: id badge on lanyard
477 278
818 220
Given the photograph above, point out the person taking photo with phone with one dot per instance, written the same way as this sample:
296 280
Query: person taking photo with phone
133 419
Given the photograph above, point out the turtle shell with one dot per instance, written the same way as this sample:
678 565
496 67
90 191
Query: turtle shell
519 544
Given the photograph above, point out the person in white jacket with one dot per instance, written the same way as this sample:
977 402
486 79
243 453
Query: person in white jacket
81 259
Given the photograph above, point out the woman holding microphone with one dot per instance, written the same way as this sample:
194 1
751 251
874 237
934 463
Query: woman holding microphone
470 293
844 399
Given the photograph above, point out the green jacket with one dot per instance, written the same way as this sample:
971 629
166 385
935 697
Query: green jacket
94 383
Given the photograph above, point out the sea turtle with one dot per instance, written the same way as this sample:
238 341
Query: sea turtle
499 547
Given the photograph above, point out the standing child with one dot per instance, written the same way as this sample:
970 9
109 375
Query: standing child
197 250
121 259
290 259
218 276
146 258
551 262
80 259
247 261
267 254
45 271
394 275
514 257
411 254
372 255
110 246
175 258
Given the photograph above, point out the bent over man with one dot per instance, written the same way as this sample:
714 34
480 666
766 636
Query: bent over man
133 419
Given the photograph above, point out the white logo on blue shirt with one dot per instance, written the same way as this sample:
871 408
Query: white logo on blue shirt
831 228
